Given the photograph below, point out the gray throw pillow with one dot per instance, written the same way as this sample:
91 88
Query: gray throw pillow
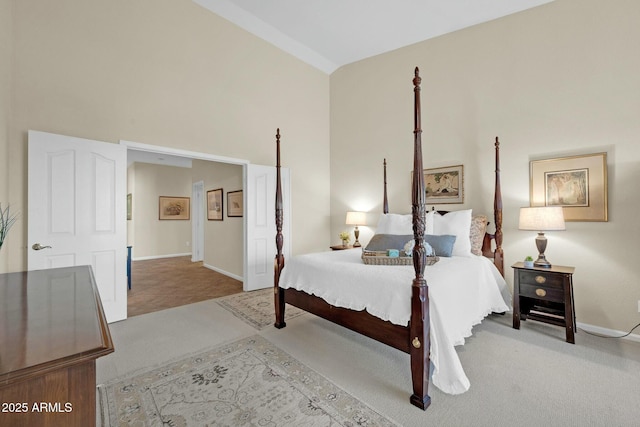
382 242
442 245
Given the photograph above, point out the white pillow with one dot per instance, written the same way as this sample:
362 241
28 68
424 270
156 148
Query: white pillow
395 224
402 224
457 223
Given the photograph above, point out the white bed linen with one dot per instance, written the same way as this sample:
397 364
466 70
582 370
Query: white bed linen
462 291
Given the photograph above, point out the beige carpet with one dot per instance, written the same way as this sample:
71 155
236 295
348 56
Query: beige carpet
256 308
529 377
247 382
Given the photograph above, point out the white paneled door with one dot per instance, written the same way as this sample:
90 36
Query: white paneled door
260 200
77 211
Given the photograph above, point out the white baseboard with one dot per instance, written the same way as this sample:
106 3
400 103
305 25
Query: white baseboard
602 331
144 258
226 273
608 332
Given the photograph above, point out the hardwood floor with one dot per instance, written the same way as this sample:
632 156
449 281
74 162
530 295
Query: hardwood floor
159 284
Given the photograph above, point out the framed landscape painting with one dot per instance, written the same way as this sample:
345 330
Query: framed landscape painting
577 183
214 205
234 203
174 208
444 185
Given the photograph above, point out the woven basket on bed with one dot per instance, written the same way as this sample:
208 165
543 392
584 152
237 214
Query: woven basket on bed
381 258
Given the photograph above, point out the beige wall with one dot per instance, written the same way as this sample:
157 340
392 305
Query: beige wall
555 80
223 240
153 237
169 73
6 61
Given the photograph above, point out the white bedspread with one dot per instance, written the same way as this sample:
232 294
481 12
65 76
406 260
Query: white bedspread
462 291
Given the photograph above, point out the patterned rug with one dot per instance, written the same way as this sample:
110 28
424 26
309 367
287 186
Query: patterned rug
256 308
248 382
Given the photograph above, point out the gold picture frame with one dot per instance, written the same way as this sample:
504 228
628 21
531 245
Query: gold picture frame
577 183
235 204
174 208
444 185
215 205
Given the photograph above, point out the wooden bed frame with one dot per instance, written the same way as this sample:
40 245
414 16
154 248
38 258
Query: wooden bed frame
414 338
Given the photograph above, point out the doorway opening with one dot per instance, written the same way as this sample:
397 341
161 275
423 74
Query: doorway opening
174 270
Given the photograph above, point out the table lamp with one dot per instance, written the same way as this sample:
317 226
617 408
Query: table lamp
541 219
356 218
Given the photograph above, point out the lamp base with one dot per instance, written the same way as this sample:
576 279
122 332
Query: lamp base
356 233
541 244
542 262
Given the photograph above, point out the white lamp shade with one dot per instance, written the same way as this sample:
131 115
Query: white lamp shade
542 218
356 218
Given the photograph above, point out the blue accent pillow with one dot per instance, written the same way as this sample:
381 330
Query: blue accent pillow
442 245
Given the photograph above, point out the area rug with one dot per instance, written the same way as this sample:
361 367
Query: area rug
247 382
256 308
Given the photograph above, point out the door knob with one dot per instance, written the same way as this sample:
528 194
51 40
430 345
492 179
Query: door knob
38 246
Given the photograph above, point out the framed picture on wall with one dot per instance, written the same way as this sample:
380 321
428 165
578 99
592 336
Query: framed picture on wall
577 183
129 204
214 205
174 208
444 185
234 203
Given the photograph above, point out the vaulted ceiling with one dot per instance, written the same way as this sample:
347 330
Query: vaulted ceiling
328 34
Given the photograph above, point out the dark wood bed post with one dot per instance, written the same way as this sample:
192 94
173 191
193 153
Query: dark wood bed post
497 215
278 264
385 202
419 323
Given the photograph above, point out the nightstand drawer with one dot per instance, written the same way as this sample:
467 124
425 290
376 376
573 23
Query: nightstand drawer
544 293
544 279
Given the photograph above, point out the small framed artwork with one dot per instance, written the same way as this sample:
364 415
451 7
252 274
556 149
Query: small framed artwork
234 203
577 183
214 205
175 208
129 203
444 185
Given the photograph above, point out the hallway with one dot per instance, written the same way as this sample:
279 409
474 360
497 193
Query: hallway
163 283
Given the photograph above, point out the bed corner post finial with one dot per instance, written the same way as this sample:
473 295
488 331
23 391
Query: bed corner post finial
279 216
420 343
278 264
497 212
417 185
385 200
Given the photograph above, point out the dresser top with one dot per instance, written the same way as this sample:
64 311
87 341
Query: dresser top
50 318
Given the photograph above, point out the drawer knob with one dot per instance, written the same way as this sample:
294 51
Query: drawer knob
541 279
541 292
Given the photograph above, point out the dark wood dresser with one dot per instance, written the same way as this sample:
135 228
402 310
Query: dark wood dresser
545 295
52 330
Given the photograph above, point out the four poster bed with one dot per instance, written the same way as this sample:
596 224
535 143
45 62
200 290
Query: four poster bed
425 321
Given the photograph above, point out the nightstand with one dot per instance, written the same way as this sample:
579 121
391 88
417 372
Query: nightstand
341 247
545 295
